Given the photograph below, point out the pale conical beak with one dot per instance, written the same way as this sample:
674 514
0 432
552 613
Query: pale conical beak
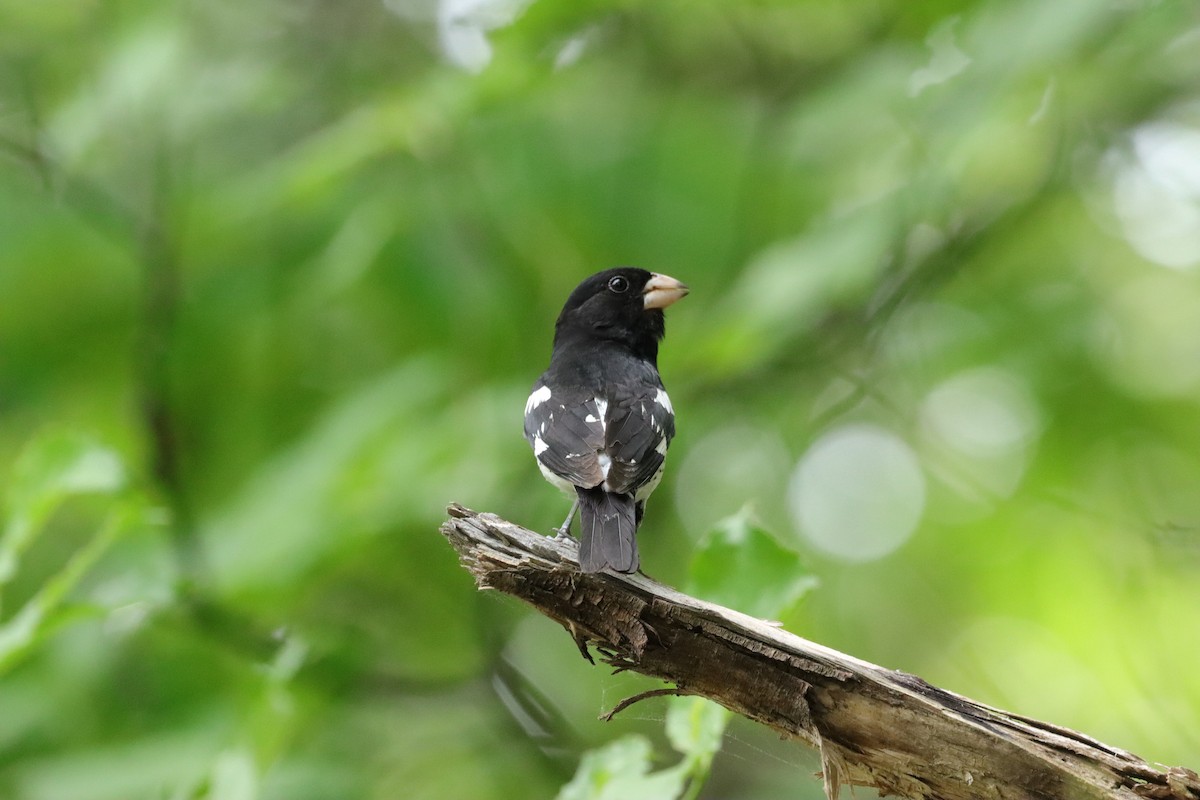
661 291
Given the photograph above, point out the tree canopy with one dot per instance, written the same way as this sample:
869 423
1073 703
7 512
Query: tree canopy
275 279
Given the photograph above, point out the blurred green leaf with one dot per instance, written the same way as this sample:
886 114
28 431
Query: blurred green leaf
52 468
785 290
621 771
695 726
46 610
60 463
234 777
118 770
740 565
623 768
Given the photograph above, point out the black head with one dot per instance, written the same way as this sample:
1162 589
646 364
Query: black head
621 306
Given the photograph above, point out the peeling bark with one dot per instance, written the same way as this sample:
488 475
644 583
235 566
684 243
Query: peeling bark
872 726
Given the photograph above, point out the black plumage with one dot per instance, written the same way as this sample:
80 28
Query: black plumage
599 419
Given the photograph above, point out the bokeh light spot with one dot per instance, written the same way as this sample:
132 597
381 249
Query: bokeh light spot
982 412
978 428
728 469
858 493
1156 193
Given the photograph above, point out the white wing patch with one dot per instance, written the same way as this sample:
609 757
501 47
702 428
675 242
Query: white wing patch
646 489
538 397
539 445
661 398
600 417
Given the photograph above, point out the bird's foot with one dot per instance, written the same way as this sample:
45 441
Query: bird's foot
564 531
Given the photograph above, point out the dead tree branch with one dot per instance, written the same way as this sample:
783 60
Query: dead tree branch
872 726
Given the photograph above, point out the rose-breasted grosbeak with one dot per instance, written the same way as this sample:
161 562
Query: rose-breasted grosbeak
599 419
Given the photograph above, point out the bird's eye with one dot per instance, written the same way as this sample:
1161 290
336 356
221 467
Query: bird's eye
618 285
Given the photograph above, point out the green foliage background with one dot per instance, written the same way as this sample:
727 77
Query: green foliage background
275 278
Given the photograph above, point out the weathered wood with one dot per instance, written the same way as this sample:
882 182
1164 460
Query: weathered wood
872 726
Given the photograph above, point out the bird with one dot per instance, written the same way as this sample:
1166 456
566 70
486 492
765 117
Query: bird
599 419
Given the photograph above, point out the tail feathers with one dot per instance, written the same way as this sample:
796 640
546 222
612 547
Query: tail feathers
607 528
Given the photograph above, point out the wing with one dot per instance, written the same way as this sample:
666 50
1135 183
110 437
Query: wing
639 428
565 427
619 440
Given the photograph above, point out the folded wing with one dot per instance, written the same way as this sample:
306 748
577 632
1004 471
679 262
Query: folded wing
617 442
